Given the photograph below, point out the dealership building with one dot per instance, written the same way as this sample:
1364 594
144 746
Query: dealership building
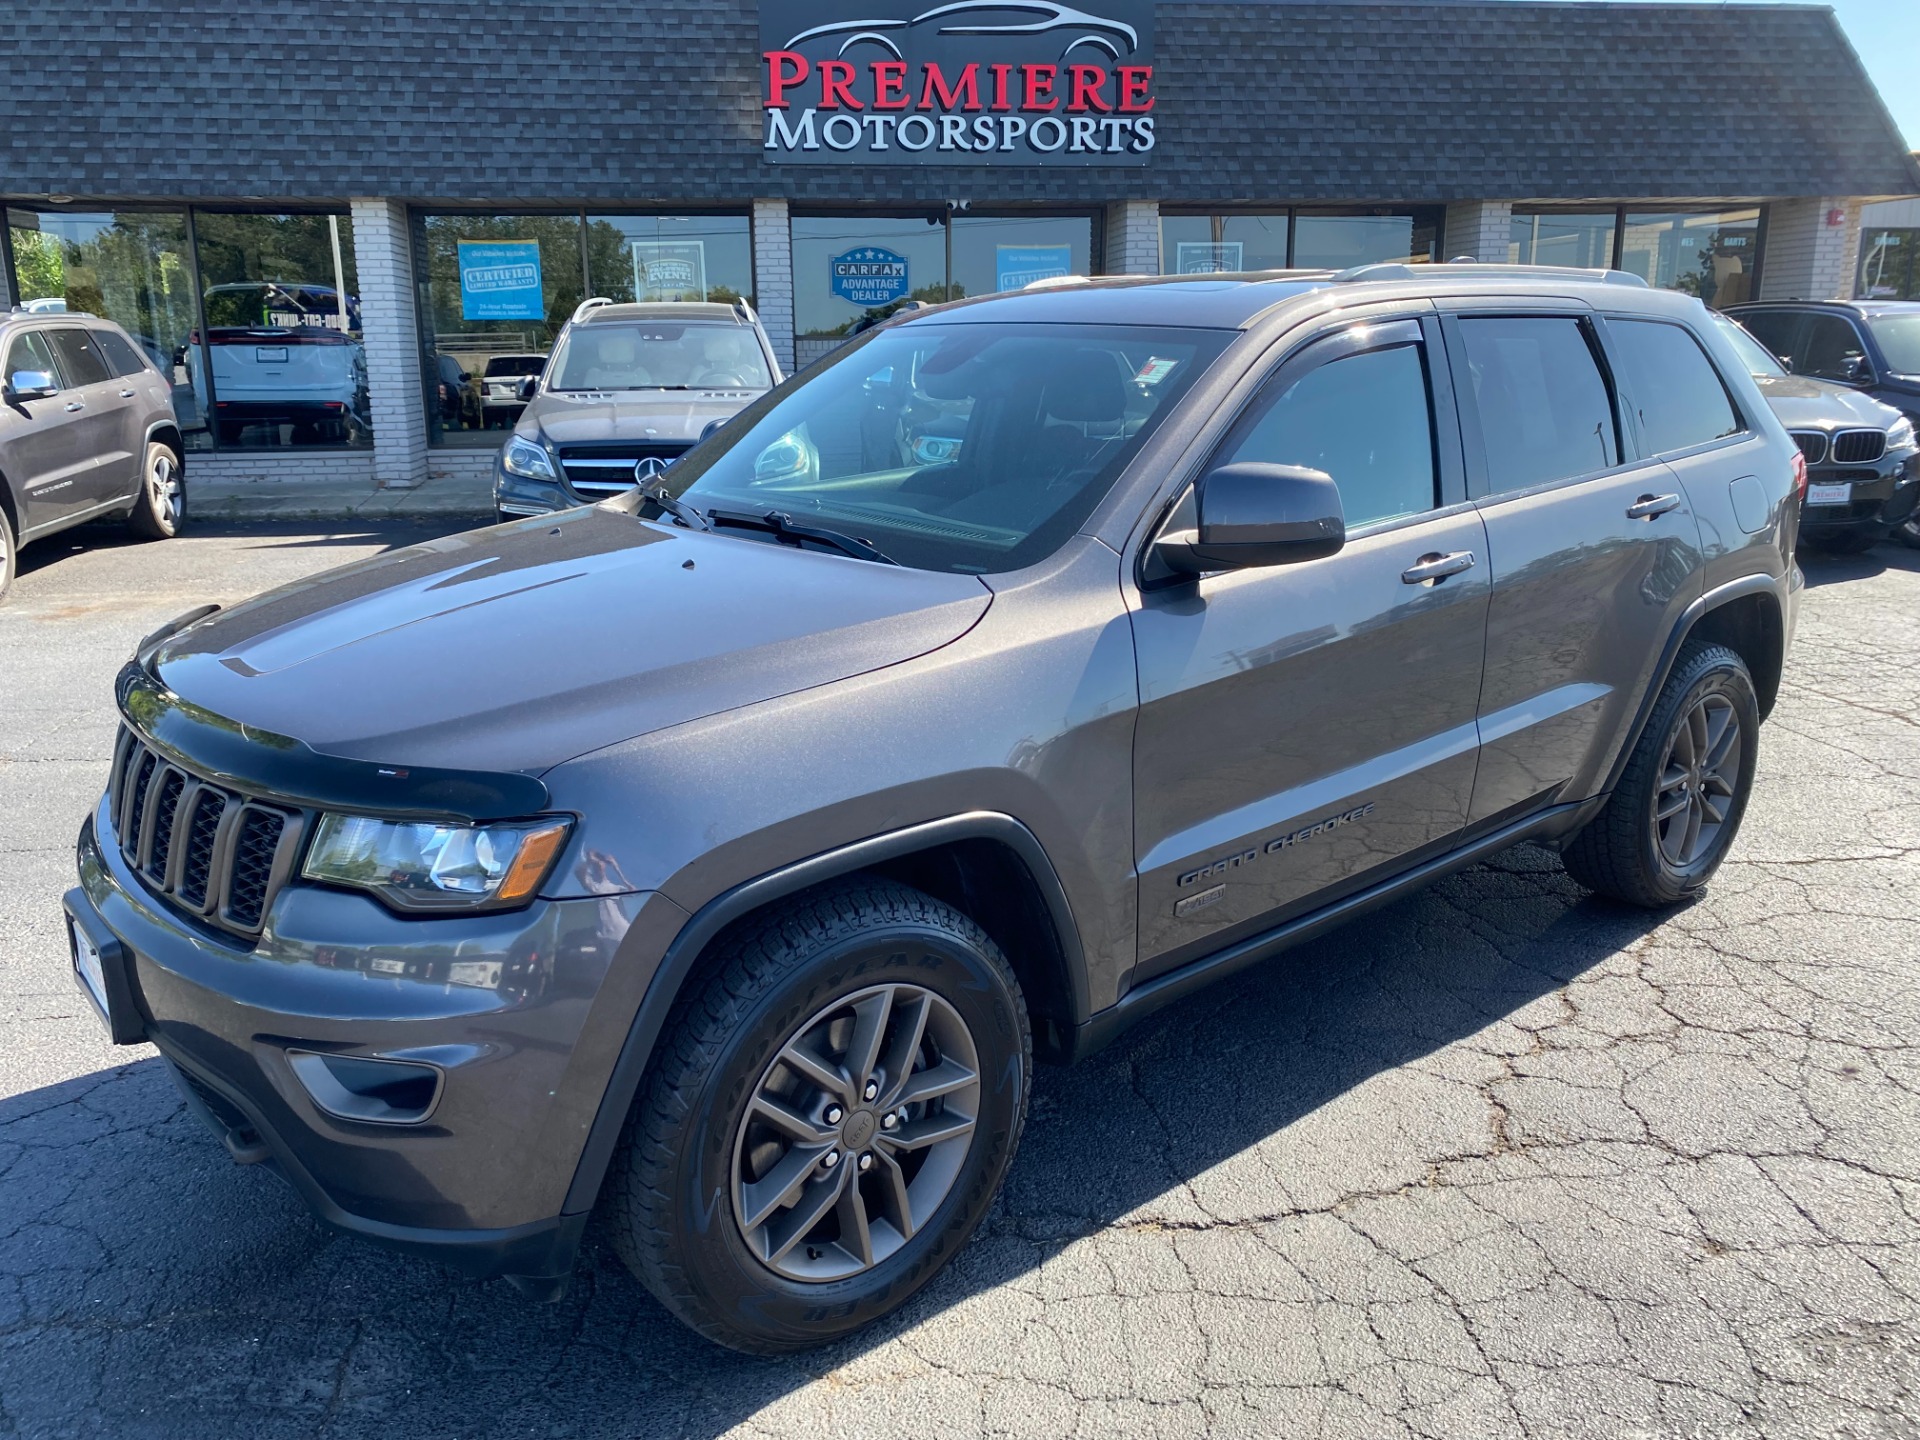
330 221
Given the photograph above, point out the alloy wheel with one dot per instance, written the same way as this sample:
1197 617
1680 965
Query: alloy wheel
855 1133
163 489
1697 781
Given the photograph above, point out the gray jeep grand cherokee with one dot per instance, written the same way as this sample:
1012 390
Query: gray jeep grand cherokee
1227 609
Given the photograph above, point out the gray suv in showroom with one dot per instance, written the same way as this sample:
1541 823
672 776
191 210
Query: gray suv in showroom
628 390
1235 607
87 430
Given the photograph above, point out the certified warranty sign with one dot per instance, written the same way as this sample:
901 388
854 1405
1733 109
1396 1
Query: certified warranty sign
975 82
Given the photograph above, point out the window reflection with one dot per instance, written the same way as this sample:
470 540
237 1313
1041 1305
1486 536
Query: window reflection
1710 254
1581 240
1334 242
283 345
1196 242
1203 244
129 267
671 257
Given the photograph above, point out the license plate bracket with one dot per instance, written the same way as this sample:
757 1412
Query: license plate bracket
1841 494
100 970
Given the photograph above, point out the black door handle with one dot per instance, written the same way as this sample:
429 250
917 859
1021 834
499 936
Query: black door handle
1648 506
1431 569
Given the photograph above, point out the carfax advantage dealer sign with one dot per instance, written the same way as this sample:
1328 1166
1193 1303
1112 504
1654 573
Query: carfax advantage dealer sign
974 82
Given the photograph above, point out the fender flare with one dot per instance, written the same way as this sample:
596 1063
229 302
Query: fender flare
1760 584
684 953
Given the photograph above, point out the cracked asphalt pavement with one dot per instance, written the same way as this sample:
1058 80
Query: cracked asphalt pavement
1501 1160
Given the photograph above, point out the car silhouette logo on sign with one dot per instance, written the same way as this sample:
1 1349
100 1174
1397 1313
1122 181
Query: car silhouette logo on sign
649 470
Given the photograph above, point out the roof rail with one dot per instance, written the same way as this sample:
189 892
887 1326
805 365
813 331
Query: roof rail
745 311
586 307
1400 271
1055 282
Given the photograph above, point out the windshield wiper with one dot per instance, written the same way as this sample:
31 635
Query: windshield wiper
686 514
779 524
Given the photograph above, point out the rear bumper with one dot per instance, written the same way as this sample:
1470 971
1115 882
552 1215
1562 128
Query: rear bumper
525 1043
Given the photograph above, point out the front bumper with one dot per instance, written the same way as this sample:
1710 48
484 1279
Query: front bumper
1879 496
481 1182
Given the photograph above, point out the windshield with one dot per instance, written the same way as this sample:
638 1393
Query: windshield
1753 354
656 355
1899 337
965 448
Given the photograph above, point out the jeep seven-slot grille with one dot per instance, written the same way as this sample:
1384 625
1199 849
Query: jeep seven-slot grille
206 850
1859 447
608 469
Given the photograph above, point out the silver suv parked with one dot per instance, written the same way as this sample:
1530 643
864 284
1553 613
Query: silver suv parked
722 855
87 430
628 391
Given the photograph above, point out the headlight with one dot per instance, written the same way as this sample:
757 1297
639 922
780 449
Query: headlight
429 866
523 457
1900 434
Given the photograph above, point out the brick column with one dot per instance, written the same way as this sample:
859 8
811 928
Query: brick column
389 318
1133 238
1478 228
773 276
1806 258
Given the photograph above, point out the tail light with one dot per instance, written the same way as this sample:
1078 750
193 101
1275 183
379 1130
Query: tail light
1799 476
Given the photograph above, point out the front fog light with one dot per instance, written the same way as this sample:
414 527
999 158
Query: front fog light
429 866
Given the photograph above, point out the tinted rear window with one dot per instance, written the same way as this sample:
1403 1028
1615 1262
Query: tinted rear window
80 358
1544 410
123 357
516 364
1676 392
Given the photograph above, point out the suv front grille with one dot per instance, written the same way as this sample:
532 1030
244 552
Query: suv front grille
1812 443
209 852
603 470
1859 447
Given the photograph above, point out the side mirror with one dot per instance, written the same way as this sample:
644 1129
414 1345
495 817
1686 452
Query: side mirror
31 385
1251 514
711 426
529 387
1857 370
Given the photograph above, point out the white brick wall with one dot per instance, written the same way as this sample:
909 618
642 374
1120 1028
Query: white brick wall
1133 238
1479 228
773 276
1806 258
384 259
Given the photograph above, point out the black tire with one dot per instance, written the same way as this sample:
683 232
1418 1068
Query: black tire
1620 853
160 507
1907 532
9 551
672 1204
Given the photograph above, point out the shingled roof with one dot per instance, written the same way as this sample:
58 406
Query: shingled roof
582 100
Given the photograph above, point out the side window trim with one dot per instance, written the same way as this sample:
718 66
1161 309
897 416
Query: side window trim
1745 422
1473 438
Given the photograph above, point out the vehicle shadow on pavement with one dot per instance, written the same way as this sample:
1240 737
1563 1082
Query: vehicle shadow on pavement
384 534
149 1287
1832 569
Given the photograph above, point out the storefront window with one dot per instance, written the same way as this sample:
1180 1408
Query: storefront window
1334 242
1888 269
1557 237
130 267
852 269
671 257
1196 244
283 340
499 287
1711 254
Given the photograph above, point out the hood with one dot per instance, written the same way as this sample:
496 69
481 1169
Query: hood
1806 404
519 647
589 417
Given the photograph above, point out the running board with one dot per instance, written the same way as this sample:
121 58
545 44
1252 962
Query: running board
1143 1000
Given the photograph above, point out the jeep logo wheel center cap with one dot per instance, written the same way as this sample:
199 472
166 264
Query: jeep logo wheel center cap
857 1133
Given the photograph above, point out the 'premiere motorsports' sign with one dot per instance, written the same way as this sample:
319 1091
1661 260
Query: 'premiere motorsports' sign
975 82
